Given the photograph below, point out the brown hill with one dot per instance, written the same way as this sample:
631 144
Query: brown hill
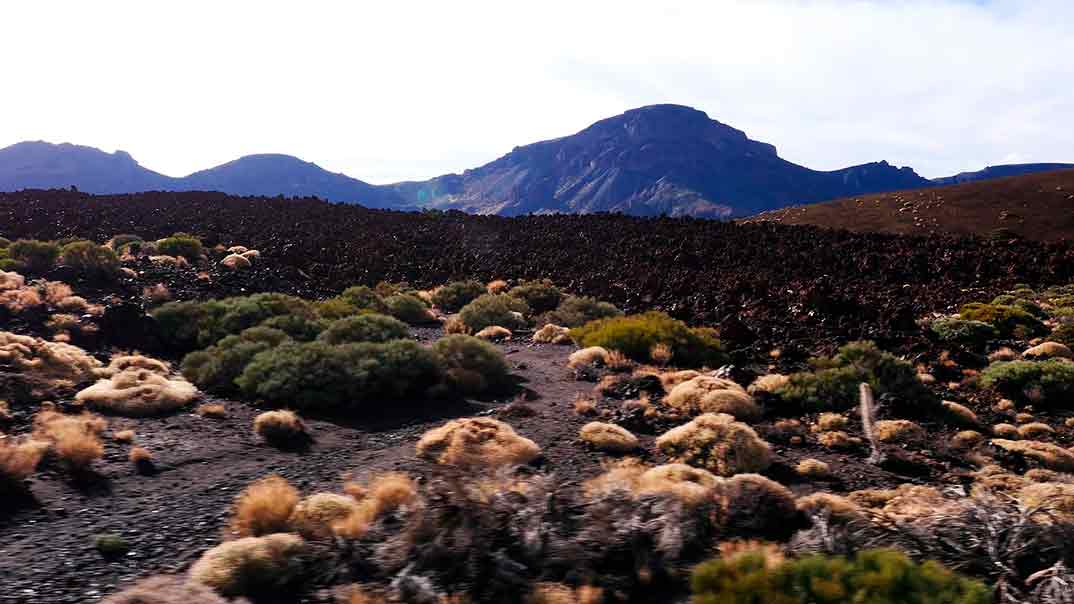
1034 206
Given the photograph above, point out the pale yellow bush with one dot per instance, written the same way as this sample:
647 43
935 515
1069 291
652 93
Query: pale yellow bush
767 383
899 431
966 439
813 469
1052 457
280 427
137 392
314 516
1009 431
838 439
385 494
552 334
48 368
587 357
74 439
717 443
1048 350
498 286
608 437
828 422
249 564
960 415
707 394
476 442
18 460
1035 430
235 262
494 333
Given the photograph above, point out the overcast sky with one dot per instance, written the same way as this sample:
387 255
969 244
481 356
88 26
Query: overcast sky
394 90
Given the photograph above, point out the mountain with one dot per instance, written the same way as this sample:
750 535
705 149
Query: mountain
657 159
999 172
1038 206
41 165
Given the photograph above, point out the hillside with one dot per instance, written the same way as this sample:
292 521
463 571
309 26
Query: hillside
1034 206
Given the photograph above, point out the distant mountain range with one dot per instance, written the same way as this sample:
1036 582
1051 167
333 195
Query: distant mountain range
660 159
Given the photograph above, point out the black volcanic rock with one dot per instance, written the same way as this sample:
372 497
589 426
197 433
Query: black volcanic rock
660 159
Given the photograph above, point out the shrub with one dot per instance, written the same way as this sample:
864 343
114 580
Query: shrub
495 309
264 507
899 431
301 328
963 331
385 494
541 295
189 325
1063 334
637 335
178 245
315 515
472 365
1052 457
813 469
476 442
1048 382
364 328
212 410
235 262
44 369
409 309
755 506
74 439
453 296
216 368
363 298
250 565
552 334
494 333
592 356
138 392
834 384
90 259
608 437
707 394
1009 320
165 589
575 311
121 243
873 576
280 428
717 443
33 255
18 461
320 376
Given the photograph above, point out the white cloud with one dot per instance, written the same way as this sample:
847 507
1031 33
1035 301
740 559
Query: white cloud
387 91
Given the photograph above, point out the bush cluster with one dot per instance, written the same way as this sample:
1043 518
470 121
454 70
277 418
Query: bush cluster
453 296
575 311
181 244
637 335
408 308
191 325
363 298
834 383
541 296
90 259
495 309
216 368
873 576
364 328
472 366
1009 320
963 331
1043 382
33 255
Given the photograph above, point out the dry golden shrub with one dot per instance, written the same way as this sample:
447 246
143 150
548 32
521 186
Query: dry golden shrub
1024 418
314 516
476 442
5 411
137 392
707 394
770 552
661 354
48 368
838 439
236 262
18 459
992 479
552 334
588 357
1043 475
385 494
559 593
585 404
717 443
1052 457
123 436
767 383
835 506
63 323
494 333
960 415
899 431
1035 430
280 427
1005 406
1048 350
264 507
1057 497
140 455
249 564
608 437
966 439
813 469
1009 431
120 363
497 286
74 439
828 422
670 379
618 362
689 484
166 589
455 325
212 410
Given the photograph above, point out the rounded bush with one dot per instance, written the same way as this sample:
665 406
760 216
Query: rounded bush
90 259
362 297
181 245
298 327
472 365
963 331
637 335
575 311
408 308
453 296
495 309
34 255
1009 320
365 328
1048 382
215 368
541 295
189 325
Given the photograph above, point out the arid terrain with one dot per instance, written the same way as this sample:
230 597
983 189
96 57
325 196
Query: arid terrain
776 296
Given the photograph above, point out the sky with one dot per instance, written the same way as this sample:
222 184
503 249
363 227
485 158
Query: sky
405 90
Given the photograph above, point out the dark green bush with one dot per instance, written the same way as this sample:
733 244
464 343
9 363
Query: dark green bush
119 242
335 308
1048 382
636 335
834 383
871 577
1029 306
324 377
363 298
495 309
301 328
1009 320
542 296
178 323
453 296
90 259
408 308
33 255
215 368
472 365
575 311
181 244
364 328
189 325
963 331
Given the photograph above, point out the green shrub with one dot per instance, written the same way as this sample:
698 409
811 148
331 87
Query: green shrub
90 259
215 368
834 383
575 311
1009 320
1062 300
177 323
976 333
111 544
494 309
408 308
453 296
1023 291
324 377
364 328
472 365
300 328
36 256
118 243
871 577
1047 382
1064 334
189 325
335 308
636 335
542 296
181 244
363 298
